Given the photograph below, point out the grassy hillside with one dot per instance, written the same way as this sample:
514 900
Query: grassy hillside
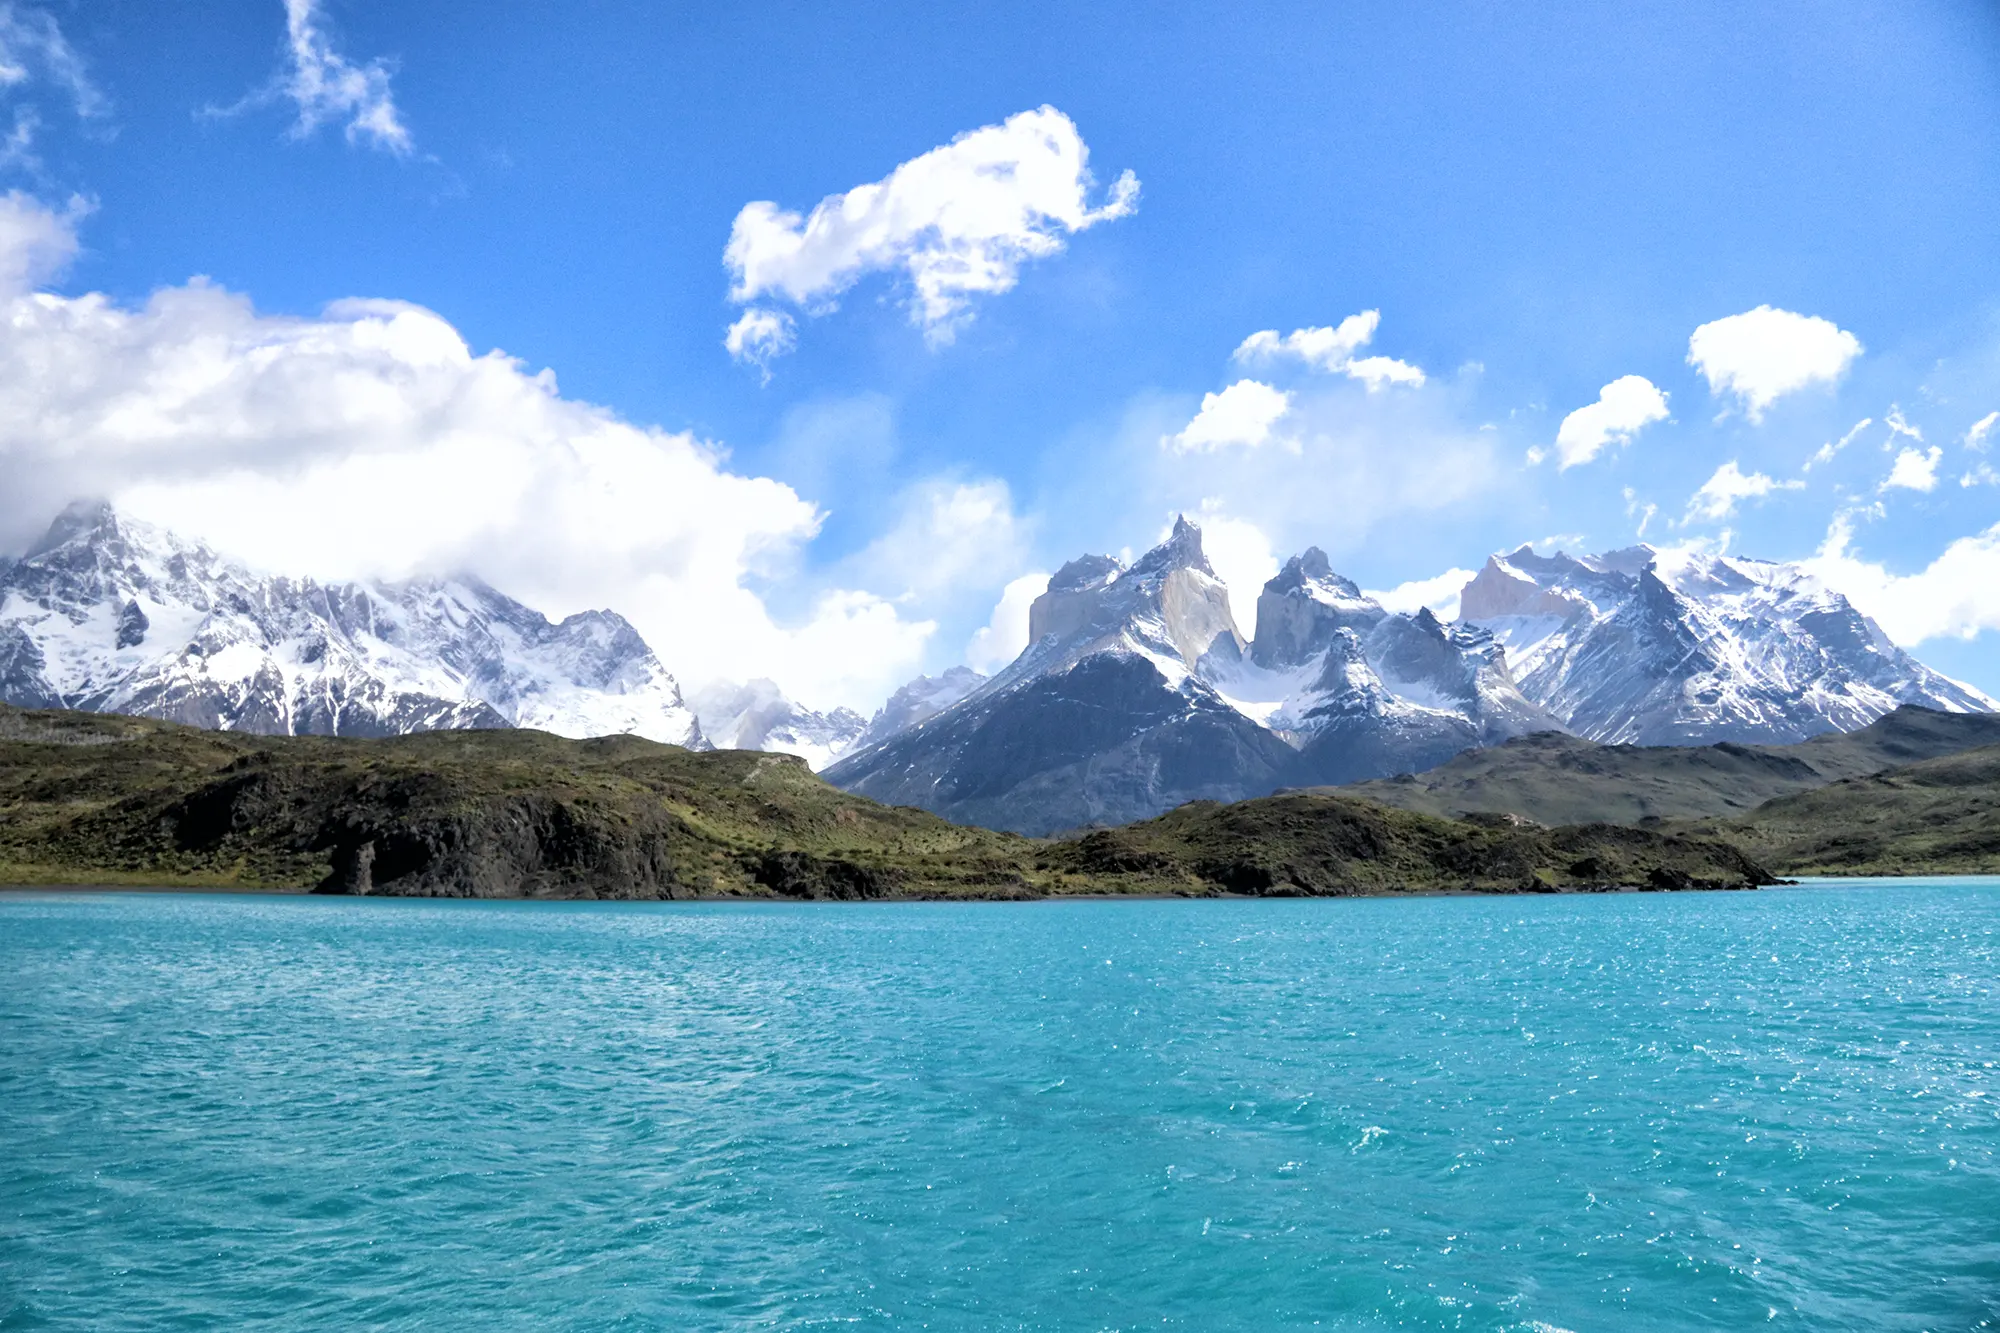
1556 779
88 798
1941 816
1312 843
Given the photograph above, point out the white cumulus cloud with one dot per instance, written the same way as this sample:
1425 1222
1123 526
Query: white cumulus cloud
1623 408
1720 494
1241 415
36 243
371 441
957 222
1332 349
1914 470
1956 595
1440 594
1761 355
1002 638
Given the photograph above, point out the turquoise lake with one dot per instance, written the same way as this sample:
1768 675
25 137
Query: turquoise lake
1754 1110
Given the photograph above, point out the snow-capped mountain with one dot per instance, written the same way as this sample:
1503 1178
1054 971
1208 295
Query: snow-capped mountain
922 698
1137 692
1362 690
1646 648
113 615
758 716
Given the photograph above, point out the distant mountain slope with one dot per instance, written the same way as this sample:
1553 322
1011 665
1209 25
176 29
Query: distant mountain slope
111 615
758 716
93 798
1937 817
1556 779
1137 692
1637 647
1102 719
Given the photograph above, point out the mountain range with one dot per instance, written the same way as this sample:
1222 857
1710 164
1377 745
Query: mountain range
1137 690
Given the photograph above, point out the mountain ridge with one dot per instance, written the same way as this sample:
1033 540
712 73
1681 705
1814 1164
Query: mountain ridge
109 614
1136 692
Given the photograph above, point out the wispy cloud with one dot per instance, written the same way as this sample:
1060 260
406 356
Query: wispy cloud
1826 452
33 51
1729 486
1332 349
326 88
32 45
1981 432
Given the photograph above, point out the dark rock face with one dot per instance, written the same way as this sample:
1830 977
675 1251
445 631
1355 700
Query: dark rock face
414 836
794 874
1104 742
21 666
132 625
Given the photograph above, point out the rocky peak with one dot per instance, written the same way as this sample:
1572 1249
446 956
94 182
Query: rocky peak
1636 646
1300 611
1181 550
115 615
1169 603
1086 572
92 522
1312 570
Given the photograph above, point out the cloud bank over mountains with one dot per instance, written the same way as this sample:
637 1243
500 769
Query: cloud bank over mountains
371 441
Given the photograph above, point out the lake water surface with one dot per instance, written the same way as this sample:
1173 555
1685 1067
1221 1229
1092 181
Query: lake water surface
1770 1110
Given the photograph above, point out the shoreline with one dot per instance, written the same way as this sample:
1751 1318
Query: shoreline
237 890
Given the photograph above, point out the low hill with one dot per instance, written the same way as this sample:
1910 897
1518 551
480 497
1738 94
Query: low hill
1556 779
1312 843
1938 817
94 798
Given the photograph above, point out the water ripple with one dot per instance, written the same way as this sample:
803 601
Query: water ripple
1640 1112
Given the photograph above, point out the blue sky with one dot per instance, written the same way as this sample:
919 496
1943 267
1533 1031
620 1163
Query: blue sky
1537 204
